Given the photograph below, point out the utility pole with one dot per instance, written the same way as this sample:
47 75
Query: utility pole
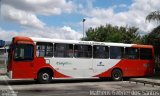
83 27
0 8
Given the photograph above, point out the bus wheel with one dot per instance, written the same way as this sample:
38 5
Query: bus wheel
117 75
44 76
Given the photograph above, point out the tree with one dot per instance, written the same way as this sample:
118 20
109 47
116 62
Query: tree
153 38
155 16
111 33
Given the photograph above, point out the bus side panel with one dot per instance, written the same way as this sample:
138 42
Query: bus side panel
137 68
131 68
41 64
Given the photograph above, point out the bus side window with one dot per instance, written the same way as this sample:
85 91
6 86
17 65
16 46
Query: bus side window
145 54
63 50
101 52
116 52
131 53
44 49
83 51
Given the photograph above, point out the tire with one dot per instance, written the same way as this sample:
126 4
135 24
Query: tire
44 77
117 75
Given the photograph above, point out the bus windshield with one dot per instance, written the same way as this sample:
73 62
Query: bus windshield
23 52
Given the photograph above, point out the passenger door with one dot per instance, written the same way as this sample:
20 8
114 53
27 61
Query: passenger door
100 59
23 61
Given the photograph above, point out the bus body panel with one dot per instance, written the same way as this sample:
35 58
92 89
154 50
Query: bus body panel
78 68
129 69
23 69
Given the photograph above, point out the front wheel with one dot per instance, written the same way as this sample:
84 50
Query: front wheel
44 77
117 75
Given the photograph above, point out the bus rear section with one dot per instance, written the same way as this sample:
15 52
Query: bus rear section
133 61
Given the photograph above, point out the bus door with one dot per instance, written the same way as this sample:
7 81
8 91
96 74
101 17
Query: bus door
100 59
23 61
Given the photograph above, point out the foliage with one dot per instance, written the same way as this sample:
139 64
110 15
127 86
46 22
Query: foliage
153 38
111 33
155 16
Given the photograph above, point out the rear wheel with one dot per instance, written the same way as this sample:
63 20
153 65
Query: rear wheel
44 76
117 75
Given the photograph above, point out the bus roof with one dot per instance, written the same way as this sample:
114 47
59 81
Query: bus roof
35 39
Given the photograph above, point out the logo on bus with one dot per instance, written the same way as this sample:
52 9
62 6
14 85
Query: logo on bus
100 64
63 63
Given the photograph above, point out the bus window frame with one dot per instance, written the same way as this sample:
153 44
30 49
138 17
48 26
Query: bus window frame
45 50
107 54
152 57
55 51
76 51
122 55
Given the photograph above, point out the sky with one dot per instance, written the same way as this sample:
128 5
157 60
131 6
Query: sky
62 19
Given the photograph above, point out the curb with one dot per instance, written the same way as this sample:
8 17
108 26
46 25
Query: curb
145 82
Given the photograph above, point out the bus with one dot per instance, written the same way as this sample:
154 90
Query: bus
44 59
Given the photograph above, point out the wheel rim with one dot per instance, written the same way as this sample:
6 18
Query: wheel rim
45 76
116 76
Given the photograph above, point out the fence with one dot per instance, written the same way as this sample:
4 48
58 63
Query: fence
3 63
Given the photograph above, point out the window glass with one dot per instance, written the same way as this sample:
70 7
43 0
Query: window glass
23 52
100 52
44 49
146 53
63 50
83 51
131 53
116 52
